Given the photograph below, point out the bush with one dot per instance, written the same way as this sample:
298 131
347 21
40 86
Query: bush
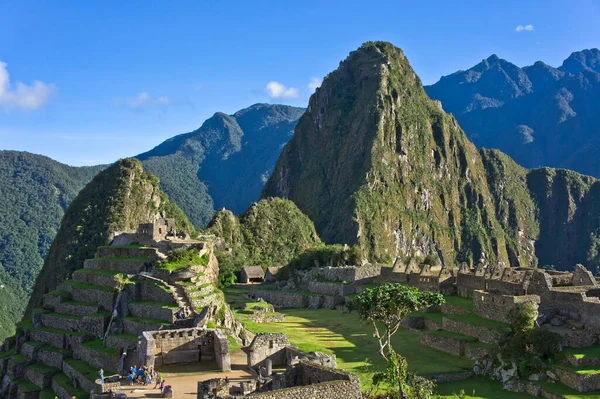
523 318
431 260
546 344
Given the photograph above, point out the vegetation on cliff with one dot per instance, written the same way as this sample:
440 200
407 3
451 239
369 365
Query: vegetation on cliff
225 162
117 199
271 232
35 192
375 162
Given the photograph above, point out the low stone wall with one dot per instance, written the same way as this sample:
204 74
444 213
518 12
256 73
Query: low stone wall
75 309
268 346
82 382
585 361
114 341
282 299
149 291
325 288
449 377
474 352
579 382
21 394
29 350
152 311
50 338
52 300
16 368
123 266
51 358
329 390
138 327
39 379
484 334
449 309
87 276
98 359
110 252
445 344
59 391
577 338
62 323
103 298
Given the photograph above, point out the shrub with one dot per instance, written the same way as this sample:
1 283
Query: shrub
546 343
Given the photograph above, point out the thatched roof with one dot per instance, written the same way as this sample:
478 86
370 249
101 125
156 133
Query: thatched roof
254 271
273 270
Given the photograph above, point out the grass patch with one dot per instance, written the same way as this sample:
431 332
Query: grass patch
19 359
100 272
75 303
7 355
184 260
97 346
233 344
434 316
43 369
583 370
26 386
89 372
128 337
451 335
123 259
583 353
464 303
568 393
65 316
471 318
49 348
47 393
477 388
25 323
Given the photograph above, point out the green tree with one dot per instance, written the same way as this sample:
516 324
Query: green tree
385 306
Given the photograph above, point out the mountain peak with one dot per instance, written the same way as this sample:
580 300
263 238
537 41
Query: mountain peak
584 60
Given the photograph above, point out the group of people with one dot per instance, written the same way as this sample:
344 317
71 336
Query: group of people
183 313
146 376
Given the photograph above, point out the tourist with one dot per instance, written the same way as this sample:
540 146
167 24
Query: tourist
162 386
101 372
227 382
158 380
130 376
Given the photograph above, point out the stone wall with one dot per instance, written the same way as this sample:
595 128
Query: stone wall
282 299
188 345
75 309
149 290
445 344
51 358
500 307
103 298
268 346
99 360
152 311
126 252
484 334
329 390
88 276
123 266
579 382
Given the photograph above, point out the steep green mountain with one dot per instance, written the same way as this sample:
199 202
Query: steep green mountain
225 162
271 232
375 162
35 192
539 115
117 199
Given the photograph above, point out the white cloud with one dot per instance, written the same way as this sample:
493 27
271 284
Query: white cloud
21 95
314 83
143 100
522 28
278 90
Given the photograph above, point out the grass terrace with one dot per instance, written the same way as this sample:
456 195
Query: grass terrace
583 353
26 386
64 332
471 318
184 261
459 301
123 259
583 370
435 316
89 372
97 346
87 286
451 335
478 388
67 384
43 369
144 320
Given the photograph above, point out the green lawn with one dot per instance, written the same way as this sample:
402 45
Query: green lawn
435 316
478 388
331 331
459 301
472 318
582 353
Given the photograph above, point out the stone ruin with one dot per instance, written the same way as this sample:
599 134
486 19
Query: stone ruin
306 375
183 346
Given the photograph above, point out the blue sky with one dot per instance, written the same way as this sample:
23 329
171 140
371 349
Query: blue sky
90 82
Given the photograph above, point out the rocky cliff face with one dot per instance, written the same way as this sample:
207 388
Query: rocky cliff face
374 161
117 199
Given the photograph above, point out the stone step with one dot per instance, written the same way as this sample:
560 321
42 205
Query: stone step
21 388
120 341
40 375
154 310
488 331
75 308
62 386
136 325
93 324
58 338
83 292
99 356
54 298
100 277
125 266
52 356
446 341
127 251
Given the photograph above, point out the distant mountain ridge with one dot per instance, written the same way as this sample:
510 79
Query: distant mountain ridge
539 115
35 192
225 162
